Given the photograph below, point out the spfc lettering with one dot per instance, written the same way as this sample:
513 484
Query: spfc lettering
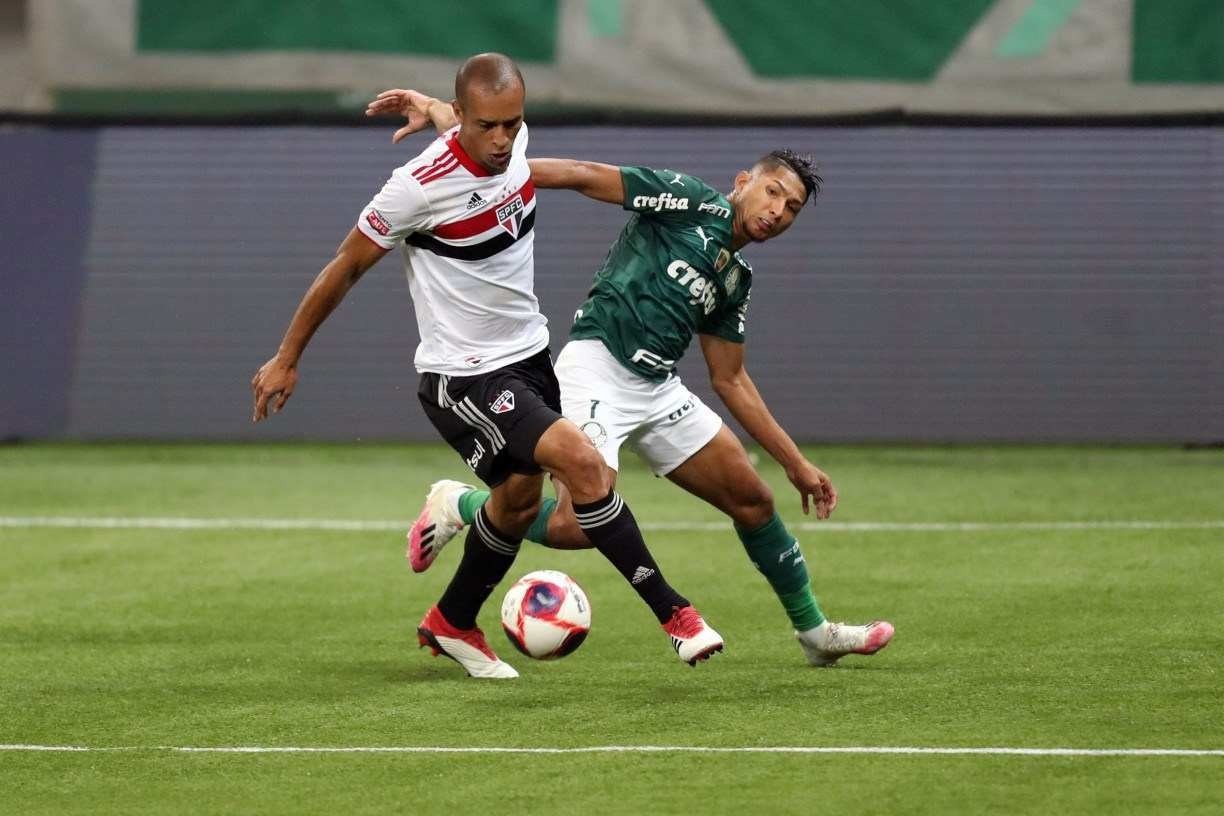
510 215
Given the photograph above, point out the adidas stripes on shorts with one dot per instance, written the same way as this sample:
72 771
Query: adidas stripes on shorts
494 420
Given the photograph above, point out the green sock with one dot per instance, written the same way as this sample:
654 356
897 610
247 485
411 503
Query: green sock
470 504
776 553
538 531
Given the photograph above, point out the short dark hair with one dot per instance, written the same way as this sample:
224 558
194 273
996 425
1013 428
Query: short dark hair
803 165
494 71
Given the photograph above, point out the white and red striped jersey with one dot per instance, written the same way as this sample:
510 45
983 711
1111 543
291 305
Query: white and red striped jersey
467 242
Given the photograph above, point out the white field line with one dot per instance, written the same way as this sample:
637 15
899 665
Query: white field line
641 749
359 526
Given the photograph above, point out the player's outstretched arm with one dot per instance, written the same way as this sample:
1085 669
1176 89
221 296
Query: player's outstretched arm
419 109
601 182
730 380
276 379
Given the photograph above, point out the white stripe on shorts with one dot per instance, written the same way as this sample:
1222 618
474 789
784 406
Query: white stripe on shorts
444 400
467 412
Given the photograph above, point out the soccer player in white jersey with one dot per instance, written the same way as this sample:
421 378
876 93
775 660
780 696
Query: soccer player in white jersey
463 213
676 271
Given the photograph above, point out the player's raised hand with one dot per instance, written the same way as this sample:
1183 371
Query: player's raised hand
273 382
815 487
412 105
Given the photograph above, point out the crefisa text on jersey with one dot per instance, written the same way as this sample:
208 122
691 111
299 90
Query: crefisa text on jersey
700 289
662 201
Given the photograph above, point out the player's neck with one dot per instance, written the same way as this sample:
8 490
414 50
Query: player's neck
739 236
470 153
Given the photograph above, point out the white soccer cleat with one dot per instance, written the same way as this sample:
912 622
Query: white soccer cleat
437 524
691 636
828 642
467 647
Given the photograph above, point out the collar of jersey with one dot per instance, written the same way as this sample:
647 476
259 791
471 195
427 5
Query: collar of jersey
456 149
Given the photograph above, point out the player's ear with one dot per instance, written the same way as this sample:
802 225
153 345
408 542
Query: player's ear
457 109
741 178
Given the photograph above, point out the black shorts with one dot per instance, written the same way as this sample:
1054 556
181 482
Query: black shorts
494 420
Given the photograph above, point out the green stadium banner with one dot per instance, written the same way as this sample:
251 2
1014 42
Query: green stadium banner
739 57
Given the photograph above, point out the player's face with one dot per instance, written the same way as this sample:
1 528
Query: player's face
488 123
767 199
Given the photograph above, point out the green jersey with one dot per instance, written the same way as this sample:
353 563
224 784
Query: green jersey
670 274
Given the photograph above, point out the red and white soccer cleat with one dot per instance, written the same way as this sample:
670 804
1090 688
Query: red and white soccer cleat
691 636
467 647
437 524
828 642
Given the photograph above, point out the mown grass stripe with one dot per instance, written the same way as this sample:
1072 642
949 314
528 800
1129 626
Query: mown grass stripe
641 749
359 525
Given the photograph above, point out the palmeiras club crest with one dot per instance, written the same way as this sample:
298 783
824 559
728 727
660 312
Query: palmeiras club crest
733 278
510 215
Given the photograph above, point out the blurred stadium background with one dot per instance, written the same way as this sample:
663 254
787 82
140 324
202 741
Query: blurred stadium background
1020 237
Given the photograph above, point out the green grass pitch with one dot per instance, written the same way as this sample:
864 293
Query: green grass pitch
1015 634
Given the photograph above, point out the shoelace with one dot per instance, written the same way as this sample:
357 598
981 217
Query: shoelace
473 636
845 638
685 623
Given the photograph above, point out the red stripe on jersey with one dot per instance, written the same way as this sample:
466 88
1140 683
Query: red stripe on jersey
467 161
425 168
486 220
438 172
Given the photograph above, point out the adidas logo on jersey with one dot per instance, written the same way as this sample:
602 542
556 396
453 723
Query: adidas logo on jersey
475 201
663 201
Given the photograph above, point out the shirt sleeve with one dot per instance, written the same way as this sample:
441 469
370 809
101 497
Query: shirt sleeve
399 208
662 193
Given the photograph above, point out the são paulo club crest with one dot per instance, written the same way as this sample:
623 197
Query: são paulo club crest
510 215
504 403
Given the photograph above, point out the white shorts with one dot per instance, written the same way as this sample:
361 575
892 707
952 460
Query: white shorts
664 422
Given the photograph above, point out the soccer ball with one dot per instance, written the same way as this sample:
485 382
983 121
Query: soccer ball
546 614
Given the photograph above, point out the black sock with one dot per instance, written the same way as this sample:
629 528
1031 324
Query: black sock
487 556
614 532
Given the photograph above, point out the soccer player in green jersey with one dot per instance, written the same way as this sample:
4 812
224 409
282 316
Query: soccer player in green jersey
675 271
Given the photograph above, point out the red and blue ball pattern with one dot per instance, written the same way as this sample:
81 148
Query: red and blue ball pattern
545 618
